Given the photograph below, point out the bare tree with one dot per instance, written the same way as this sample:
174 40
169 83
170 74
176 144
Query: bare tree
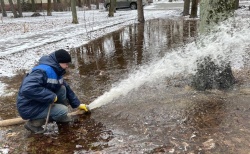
3 8
140 11
194 9
97 4
55 5
13 9
74 13
111 8
236 4
49 8
186 7
88 4
33 6
19 8
84 3
79 3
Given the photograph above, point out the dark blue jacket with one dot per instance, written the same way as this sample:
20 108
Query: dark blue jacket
38 88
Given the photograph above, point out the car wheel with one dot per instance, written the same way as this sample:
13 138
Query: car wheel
107 7
133 6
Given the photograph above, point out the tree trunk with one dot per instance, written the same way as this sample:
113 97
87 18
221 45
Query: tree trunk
84 3
49 8
74 13
19 8
214 11
186 7
13 9
55 5
3 9
236 4
33 6
111 8
194 9
79 3
97 4
89 4
60 5
140 11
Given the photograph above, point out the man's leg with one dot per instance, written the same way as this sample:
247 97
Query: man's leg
58 113
34 125
59 108
62 99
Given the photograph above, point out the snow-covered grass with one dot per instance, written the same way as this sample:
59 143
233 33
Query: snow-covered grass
46 34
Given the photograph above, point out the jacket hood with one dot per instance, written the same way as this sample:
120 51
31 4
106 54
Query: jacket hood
51 61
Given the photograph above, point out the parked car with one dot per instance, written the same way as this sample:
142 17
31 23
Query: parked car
132 4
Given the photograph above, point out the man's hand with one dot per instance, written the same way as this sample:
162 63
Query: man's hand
55 99
83 107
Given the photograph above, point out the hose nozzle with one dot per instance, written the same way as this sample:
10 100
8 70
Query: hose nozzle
84 107
87 108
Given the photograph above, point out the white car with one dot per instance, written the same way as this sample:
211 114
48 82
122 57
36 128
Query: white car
132 4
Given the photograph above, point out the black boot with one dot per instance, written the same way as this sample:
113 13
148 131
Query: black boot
35 125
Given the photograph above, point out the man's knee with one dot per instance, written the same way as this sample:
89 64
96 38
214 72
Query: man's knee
62 114
59 110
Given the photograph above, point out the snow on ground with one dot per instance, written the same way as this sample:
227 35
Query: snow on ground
24 40
46 35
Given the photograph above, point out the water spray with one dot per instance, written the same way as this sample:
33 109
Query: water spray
228 42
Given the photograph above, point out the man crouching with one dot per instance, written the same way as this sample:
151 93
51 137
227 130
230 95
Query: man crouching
43 86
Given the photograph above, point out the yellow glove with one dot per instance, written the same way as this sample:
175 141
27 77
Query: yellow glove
55 99
83 107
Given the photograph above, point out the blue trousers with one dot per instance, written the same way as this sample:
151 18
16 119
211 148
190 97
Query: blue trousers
58 109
